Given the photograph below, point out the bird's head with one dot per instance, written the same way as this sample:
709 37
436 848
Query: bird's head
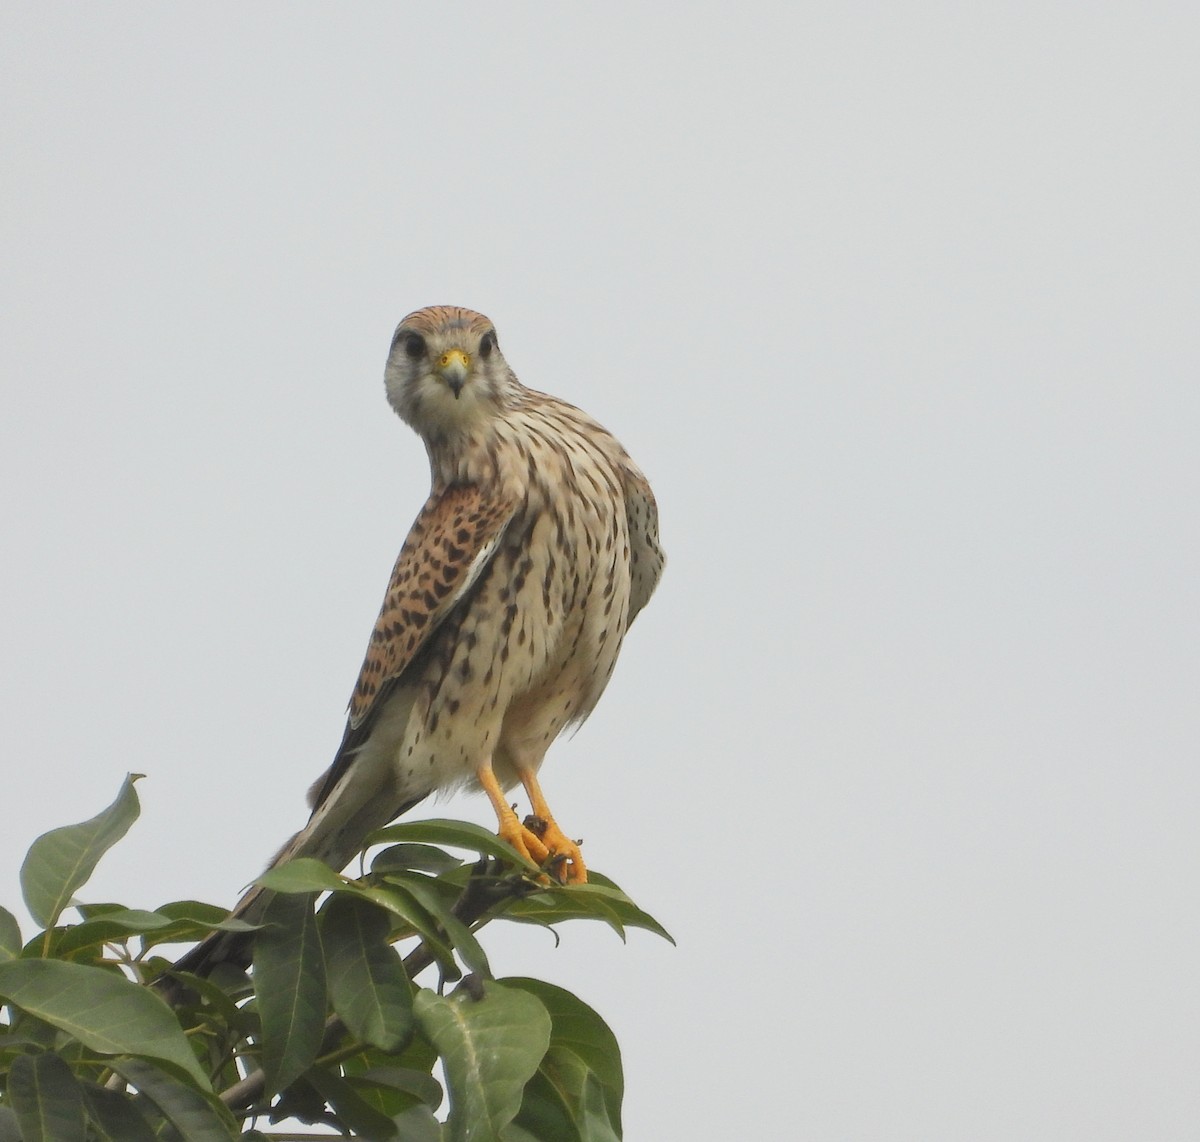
445 374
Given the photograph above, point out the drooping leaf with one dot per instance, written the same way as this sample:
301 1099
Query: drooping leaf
301 1101
289 981
517 1133
544 1112
206 915
631 915
85 1064
460 936
112 926
566 1102
417 1124
367 983
354 1111
47 1099
392 1090
304 874
62 860
393 1082
102 1009
31 1033
490 1048
90 910
414 858
133 921
457 834
583 1054
192 920
114 1117
237 984
224 1007
599 899
197 1116
10 935
596 1120
579 1028
400 902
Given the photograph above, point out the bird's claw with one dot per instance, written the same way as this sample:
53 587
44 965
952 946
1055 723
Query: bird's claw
543 843
562 859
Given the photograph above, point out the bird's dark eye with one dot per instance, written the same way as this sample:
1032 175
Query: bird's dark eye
487 344
414 345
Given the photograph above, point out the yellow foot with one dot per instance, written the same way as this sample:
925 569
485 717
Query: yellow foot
539 839
545 844
562 853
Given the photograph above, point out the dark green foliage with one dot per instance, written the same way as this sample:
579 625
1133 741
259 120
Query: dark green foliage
332 1026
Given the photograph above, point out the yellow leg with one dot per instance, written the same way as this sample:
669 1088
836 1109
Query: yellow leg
539 839
524 840
571 869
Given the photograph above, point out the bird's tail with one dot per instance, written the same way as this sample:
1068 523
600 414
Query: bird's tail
236 947
331 836
226 947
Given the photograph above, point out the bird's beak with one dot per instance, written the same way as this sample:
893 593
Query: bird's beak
453 367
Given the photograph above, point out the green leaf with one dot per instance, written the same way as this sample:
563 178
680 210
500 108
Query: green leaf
102 1009
400 902
414 858
289 981
9 1130
192 920
580 1075
599 899
10 935
112 926
490 1048
417 1124
394 1083
62 860
301 1101
565 1100
132 920
224 1008
47 1099
517 1133
392 1090
198 1117
544 1112
304 874
206 915
367 983
31 1033
86 1065
90 911
596 1118
578 1027
457 834
354 1111
631 915
114 1116
458 933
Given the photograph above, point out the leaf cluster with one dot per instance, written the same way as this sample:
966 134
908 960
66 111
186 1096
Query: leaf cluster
331 1026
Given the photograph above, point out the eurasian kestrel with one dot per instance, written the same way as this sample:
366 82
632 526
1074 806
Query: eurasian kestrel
507 606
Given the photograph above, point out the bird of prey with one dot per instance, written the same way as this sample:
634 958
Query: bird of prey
506 609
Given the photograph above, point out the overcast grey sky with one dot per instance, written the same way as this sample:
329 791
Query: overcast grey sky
896 305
